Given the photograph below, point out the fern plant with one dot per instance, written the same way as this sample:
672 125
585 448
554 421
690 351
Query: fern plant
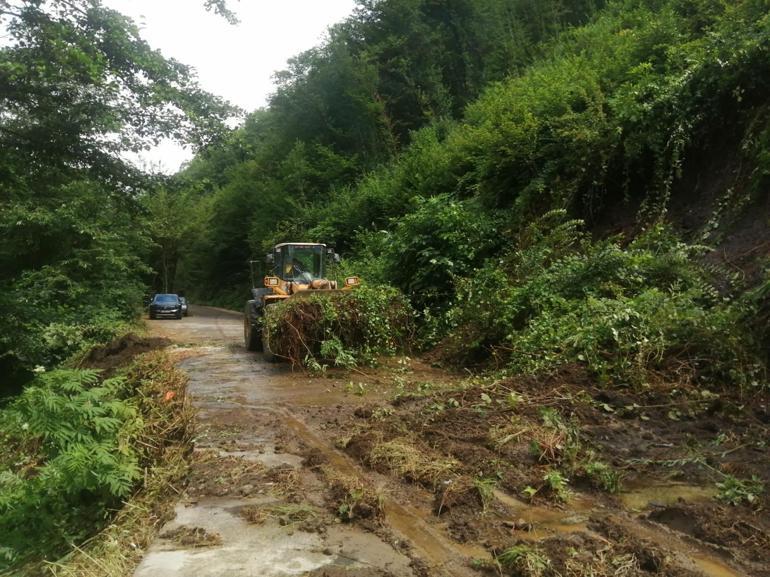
77 434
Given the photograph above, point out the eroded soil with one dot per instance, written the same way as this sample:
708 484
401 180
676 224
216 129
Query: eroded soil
120 351
407 470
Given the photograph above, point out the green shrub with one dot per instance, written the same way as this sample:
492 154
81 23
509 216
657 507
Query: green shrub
525 560
71 269
736 491
427 251
56 312
602 476
625 312
755 307
74 447
435 243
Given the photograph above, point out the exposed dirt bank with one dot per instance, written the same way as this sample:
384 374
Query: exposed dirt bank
120 351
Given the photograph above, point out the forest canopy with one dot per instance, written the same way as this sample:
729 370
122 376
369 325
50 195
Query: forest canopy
79 88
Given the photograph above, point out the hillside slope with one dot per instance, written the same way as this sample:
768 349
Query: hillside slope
642 118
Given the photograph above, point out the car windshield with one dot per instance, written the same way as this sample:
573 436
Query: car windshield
166 299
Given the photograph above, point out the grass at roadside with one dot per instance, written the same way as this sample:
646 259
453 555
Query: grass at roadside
117 549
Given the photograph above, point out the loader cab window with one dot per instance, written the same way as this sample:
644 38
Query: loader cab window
301 263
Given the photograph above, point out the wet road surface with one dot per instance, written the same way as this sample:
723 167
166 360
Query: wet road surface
247 417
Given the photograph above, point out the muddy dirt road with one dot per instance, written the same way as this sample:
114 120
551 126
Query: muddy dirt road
257 503
410 471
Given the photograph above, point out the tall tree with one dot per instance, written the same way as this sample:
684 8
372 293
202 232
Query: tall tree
79 89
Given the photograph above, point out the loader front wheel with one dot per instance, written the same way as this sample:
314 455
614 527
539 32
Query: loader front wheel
267 354
251 337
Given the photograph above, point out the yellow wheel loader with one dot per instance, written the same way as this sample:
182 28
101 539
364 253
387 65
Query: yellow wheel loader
294 270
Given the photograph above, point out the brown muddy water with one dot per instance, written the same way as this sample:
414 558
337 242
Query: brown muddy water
658 494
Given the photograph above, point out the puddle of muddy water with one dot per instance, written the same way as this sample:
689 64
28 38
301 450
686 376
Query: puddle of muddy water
713 568
651 495
546 522
268 550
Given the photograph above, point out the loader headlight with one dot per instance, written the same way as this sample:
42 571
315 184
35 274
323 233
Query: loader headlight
272 281
352 281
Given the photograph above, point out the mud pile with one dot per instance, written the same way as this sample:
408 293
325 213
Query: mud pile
120 351
563 477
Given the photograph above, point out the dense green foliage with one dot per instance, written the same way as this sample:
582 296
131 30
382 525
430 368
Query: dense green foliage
74 446
87 284
629 313
79 88
426 161
72 458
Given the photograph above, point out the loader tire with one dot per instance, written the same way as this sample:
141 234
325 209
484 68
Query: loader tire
267 354
252 337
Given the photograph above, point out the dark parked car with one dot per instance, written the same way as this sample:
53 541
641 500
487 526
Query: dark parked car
183 300
165 305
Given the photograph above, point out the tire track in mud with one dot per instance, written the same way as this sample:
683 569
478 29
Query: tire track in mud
688 552
220 329
451 559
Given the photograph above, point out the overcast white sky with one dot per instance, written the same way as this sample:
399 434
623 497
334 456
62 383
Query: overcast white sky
236 62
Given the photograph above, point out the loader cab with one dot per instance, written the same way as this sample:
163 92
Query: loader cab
299 262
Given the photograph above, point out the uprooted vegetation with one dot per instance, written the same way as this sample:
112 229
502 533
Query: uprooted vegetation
286 514
345 328
478 439
351 498
75 447
192 537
